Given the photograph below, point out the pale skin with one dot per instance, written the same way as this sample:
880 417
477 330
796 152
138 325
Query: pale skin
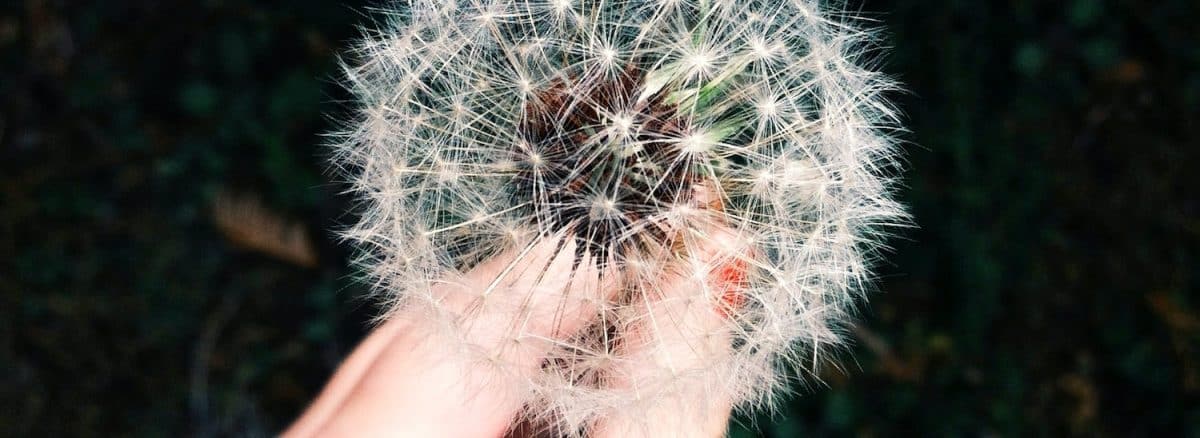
398 382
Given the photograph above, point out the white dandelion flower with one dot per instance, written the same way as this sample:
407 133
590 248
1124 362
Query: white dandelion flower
641 128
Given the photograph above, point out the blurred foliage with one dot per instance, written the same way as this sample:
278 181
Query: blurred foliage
1049 290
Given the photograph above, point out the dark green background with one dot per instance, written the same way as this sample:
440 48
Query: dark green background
1050 288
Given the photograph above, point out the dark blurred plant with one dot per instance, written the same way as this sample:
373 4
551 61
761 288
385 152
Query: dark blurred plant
1049 291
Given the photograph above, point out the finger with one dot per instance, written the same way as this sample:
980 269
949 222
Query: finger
415 387
677 337
343 382
577 303
463 294
542 295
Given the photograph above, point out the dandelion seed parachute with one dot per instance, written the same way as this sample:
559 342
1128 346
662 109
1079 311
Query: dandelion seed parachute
483 124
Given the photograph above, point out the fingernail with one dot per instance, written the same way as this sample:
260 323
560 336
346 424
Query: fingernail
731 281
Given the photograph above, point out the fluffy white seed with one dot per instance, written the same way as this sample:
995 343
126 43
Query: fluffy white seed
786 120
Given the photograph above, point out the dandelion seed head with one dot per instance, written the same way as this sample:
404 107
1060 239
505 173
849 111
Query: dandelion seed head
635 125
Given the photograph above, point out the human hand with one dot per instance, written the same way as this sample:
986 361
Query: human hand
462 376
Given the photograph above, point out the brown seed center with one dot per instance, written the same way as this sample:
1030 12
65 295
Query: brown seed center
595 157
